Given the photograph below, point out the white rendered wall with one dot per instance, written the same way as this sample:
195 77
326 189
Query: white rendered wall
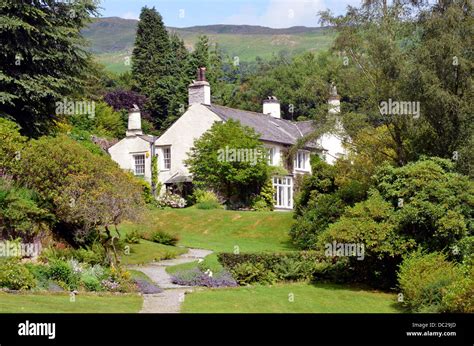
123 151
180 136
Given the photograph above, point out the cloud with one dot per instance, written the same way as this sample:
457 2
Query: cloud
129 15
280 14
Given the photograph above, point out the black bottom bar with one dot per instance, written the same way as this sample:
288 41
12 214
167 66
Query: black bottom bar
238 329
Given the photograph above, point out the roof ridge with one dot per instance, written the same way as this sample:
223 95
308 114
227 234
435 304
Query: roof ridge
257 113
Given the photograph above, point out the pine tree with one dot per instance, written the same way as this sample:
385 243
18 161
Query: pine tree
151 54
41 60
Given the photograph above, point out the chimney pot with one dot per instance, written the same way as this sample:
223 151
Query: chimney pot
199 91
134 122
271 106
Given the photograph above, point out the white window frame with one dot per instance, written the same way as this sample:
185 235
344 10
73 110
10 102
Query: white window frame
302 161
137 165
166 159
271 155
283 195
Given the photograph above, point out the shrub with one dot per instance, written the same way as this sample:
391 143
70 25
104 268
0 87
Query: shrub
15 276
40 273
423 278
290 269
92 254
20 215
91 283
235 179
271 267
164 238
206 199
169 199
62 271
249 273
94 192
196 277
264 200
458 297
133 237
146 287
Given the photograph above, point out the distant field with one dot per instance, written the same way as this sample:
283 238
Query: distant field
112 39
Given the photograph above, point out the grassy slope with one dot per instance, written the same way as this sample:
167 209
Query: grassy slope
60 303
147 252
308 298
245 47
221 230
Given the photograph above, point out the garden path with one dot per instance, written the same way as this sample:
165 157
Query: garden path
168 301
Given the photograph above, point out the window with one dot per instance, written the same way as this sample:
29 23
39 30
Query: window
139 164
301 160
271 153
283 192
167 158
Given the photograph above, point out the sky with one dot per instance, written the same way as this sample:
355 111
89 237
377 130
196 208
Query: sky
271 13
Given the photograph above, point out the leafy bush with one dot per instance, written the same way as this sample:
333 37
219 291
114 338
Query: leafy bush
133 237
249 273
91 283
11 145
264 200
94 192
164 238
458 296
271 267
92 254
40 273
146 287
206 199
169 199
62 271
15 276
196 277
423 278
290 269
236 180
20 215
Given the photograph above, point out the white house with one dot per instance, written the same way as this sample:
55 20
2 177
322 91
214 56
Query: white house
134 152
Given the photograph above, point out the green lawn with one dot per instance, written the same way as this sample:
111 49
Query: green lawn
147 252
60 303
221 230
308 298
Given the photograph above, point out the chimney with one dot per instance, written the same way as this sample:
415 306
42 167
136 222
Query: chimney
134 122
334 100
199 91
271 106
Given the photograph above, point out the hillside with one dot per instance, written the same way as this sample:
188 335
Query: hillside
111 40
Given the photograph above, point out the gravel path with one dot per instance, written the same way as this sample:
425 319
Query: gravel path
169 301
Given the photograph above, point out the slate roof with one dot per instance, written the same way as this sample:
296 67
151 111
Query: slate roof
271 129
148 138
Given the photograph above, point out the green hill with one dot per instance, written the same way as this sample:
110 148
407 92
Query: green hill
111 40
